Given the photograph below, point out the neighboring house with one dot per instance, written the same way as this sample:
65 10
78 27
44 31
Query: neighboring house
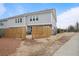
39 24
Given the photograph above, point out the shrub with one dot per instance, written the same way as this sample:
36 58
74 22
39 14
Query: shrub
1 33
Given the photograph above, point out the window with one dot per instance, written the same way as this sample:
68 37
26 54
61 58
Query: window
33 19
15 20
20 20
37 19
30 19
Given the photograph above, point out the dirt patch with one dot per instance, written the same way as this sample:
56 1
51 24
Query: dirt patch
8 46
36 47
43 46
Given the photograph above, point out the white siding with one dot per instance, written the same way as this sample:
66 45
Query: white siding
43 19
12 23
4 25
53 20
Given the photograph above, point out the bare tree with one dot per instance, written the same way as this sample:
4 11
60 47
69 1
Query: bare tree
71 28
77 26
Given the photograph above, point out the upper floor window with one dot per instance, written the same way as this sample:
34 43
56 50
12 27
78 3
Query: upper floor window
21 20
33 19
36 18
30 19
15 20
18 20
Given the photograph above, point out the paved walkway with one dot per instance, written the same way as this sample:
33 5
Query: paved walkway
71 48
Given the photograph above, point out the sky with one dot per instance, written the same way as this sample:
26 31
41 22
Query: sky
66 13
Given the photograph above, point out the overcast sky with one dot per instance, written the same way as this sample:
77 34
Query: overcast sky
67 14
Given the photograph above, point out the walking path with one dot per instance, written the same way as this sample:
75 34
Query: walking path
71 48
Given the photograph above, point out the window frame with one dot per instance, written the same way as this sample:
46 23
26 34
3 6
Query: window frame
33 18
20 20
16 21
36 18
30 19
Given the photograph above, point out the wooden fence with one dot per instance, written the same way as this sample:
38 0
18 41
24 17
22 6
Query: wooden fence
41 31
17 32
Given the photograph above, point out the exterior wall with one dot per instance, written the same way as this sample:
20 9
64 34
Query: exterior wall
4 24
13 29
41 31
40 28
54 21
12 22
43 18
